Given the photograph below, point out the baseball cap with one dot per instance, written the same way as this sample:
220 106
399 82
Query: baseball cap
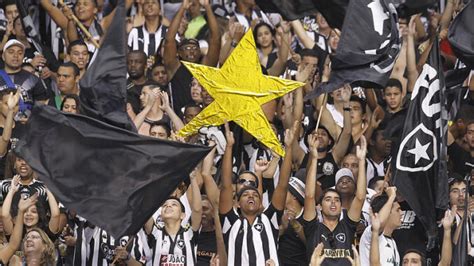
344 172
188 41
11 43
297 188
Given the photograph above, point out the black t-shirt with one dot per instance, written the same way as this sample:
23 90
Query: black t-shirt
291 250
31 87
326 171
461 160
337 243
133 96
181 89
206 247
411 234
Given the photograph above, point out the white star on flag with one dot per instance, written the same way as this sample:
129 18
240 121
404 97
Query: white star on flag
420 151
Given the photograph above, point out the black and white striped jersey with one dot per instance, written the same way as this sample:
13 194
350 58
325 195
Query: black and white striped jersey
251 244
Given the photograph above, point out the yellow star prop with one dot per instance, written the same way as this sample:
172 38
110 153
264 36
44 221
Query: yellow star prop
239 89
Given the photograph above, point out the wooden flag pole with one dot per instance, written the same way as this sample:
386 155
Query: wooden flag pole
321 110
83 28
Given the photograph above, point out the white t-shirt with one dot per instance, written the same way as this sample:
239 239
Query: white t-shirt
387 249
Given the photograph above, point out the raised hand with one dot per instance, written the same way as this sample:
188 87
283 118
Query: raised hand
290 134
303 72
313 142
165 101
361 150
448 218
261 165
318 257
391 192
15 185
24 204
229 135
375 221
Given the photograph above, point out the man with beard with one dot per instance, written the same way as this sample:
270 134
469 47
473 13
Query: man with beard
159 75
136 65
188 50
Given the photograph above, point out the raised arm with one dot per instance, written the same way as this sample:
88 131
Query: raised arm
235 33
340 148
279 196
7 204
12 102
196 205
358 201
411 57
310 188
283 39
15 240
54 208
446 250
374 255
260 167
166 107
212 57
140 118
384 213
212 191
301 33
170 59
226 197
55 13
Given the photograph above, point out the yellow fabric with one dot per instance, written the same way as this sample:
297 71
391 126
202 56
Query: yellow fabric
194 26
239 89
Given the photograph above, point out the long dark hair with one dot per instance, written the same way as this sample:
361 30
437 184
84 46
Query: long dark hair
75 98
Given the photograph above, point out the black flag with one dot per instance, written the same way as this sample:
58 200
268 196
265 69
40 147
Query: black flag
104 85
420 162
368 47
333 11
461 34
113 177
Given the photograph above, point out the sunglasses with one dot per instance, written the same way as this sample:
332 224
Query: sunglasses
246 182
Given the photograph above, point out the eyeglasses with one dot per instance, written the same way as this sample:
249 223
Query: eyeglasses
246 182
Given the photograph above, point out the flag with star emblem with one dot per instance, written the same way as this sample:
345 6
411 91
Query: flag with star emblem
367 49
420 171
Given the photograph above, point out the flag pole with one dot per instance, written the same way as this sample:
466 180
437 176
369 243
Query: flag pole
321 110
83 28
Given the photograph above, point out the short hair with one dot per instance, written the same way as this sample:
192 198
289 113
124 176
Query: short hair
378 202
157 64
75 43
138 52
374 180
76 69
362 102
393 83
177 199
416 251
326 191
250 173
308 52
162 124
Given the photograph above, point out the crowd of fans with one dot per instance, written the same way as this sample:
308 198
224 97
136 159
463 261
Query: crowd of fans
328 201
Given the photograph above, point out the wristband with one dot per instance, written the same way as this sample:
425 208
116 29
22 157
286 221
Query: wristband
233 43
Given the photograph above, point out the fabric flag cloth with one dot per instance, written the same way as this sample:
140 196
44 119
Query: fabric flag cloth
460 35
114 178
34 37
420 162
368 47
333 11
104 85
